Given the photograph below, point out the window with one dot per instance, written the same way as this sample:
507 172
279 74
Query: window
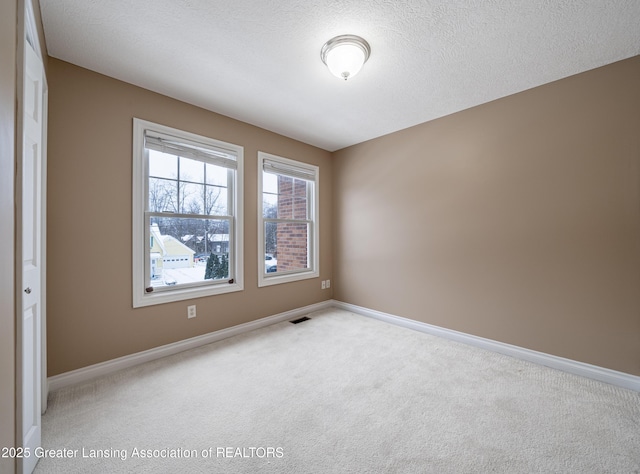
187 215
287 220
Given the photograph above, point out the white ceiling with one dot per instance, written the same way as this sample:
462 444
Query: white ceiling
259 60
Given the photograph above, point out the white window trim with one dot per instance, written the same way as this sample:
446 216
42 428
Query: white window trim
314 252
140 297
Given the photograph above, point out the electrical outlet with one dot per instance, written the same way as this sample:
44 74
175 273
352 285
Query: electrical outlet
328 283
191 311
324 284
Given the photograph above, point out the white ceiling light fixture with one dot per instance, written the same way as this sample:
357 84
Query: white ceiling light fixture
345 55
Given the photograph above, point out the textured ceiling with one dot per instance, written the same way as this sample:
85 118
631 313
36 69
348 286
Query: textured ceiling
259 60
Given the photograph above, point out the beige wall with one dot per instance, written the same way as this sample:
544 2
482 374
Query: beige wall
8 34
90 314
518 220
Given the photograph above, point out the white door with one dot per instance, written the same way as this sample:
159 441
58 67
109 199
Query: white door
32 185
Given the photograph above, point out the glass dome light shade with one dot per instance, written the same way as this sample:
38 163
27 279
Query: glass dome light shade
345 55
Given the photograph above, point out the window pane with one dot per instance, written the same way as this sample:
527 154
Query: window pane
300 208
217 201
163 195
287 244
191 170
269 183
270 239
183 251
285 207
162 165
217 175
191 198
270 205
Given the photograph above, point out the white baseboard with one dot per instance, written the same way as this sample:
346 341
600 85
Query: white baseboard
85 374
601 374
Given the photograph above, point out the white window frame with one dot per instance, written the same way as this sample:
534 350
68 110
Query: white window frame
141 232
266 279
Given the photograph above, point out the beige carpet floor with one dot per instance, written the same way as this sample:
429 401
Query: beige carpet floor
341 393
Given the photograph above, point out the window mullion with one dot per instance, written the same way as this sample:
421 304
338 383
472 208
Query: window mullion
204 188
179 187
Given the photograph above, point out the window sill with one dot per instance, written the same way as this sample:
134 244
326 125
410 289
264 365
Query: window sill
150 299
278 279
